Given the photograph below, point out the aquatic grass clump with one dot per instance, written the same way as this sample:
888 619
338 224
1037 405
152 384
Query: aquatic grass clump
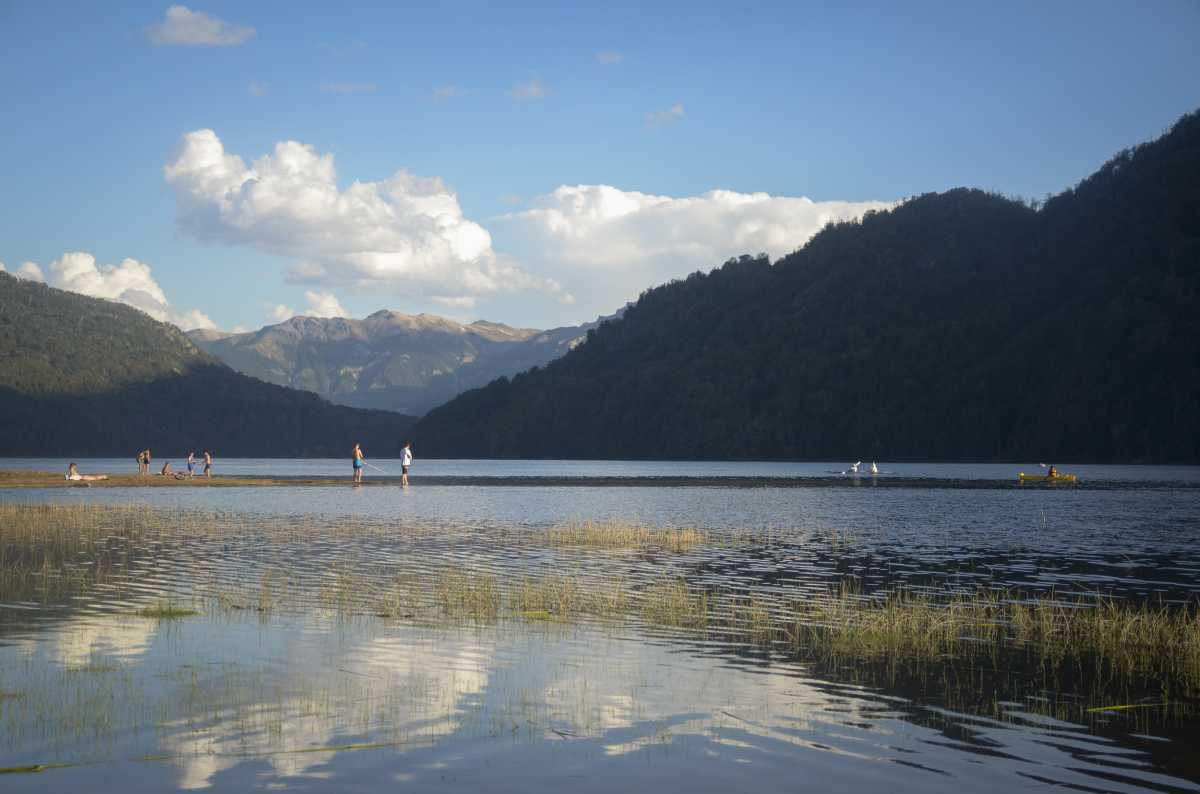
1129 639
49 553
625 535
166 610
467 593
676 603
1154 643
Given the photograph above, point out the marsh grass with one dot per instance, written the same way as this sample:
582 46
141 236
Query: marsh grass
53 553
49 553
625 535
167 610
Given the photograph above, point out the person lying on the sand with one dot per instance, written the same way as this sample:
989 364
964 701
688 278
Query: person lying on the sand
73 474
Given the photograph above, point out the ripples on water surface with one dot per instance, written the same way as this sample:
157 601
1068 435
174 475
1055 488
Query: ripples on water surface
304 696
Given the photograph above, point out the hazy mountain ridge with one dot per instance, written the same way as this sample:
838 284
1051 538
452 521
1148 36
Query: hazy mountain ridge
960 325
82 375
388 360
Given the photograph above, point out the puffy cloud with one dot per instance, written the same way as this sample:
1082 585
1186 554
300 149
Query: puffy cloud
258 88
130 282
280 313
657 118
615 243
348 88
323 304
406 230
30 272
534 89
196 28
608 58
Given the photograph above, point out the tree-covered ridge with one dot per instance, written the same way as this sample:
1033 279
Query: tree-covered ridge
960 325
54 342
83 376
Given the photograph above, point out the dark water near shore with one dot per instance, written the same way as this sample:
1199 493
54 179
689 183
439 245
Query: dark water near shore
237 701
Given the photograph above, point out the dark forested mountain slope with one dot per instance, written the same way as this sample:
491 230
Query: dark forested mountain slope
959 325
388 360
82 376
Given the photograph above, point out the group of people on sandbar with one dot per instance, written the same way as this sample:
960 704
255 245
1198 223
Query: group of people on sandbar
360 460
144 457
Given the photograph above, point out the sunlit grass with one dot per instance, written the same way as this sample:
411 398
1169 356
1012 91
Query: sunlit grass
625 535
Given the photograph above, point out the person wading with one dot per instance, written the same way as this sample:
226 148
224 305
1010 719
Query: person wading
358 465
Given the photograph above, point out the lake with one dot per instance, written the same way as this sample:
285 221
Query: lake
294 674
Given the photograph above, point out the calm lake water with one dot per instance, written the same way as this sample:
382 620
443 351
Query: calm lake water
300 697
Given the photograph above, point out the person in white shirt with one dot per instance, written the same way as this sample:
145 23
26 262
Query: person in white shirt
405 462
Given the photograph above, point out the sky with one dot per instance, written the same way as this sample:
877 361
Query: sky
229 165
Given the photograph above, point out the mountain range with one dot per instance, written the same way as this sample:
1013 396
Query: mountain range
957 326
86 376
390 361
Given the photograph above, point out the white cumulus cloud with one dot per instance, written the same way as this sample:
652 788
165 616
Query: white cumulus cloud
610 244
657 118
130 282
31 272
323 304
280 313
183 26
407 231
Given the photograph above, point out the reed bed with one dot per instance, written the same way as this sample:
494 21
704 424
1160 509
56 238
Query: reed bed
625 535
51 553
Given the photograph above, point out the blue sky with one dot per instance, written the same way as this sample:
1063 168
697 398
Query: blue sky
577 148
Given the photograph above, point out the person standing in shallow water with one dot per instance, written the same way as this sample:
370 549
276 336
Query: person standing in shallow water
405 462
358 464
207 464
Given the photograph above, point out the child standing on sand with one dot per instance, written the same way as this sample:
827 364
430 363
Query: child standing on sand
405 462
207 464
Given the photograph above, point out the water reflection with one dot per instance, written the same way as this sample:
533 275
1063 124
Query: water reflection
325 705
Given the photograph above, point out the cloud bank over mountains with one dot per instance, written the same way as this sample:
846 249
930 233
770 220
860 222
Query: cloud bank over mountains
406 231
617 243
130 282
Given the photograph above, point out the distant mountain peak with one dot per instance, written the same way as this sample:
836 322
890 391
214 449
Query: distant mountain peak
389 359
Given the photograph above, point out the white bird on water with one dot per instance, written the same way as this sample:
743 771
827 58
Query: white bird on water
874 468
854 467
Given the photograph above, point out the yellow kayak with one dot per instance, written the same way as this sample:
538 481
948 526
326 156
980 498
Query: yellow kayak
1045 478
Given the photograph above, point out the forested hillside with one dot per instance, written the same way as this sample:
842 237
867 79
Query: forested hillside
83 376
960 325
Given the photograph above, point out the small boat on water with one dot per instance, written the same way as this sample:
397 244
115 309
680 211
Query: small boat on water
1047 478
